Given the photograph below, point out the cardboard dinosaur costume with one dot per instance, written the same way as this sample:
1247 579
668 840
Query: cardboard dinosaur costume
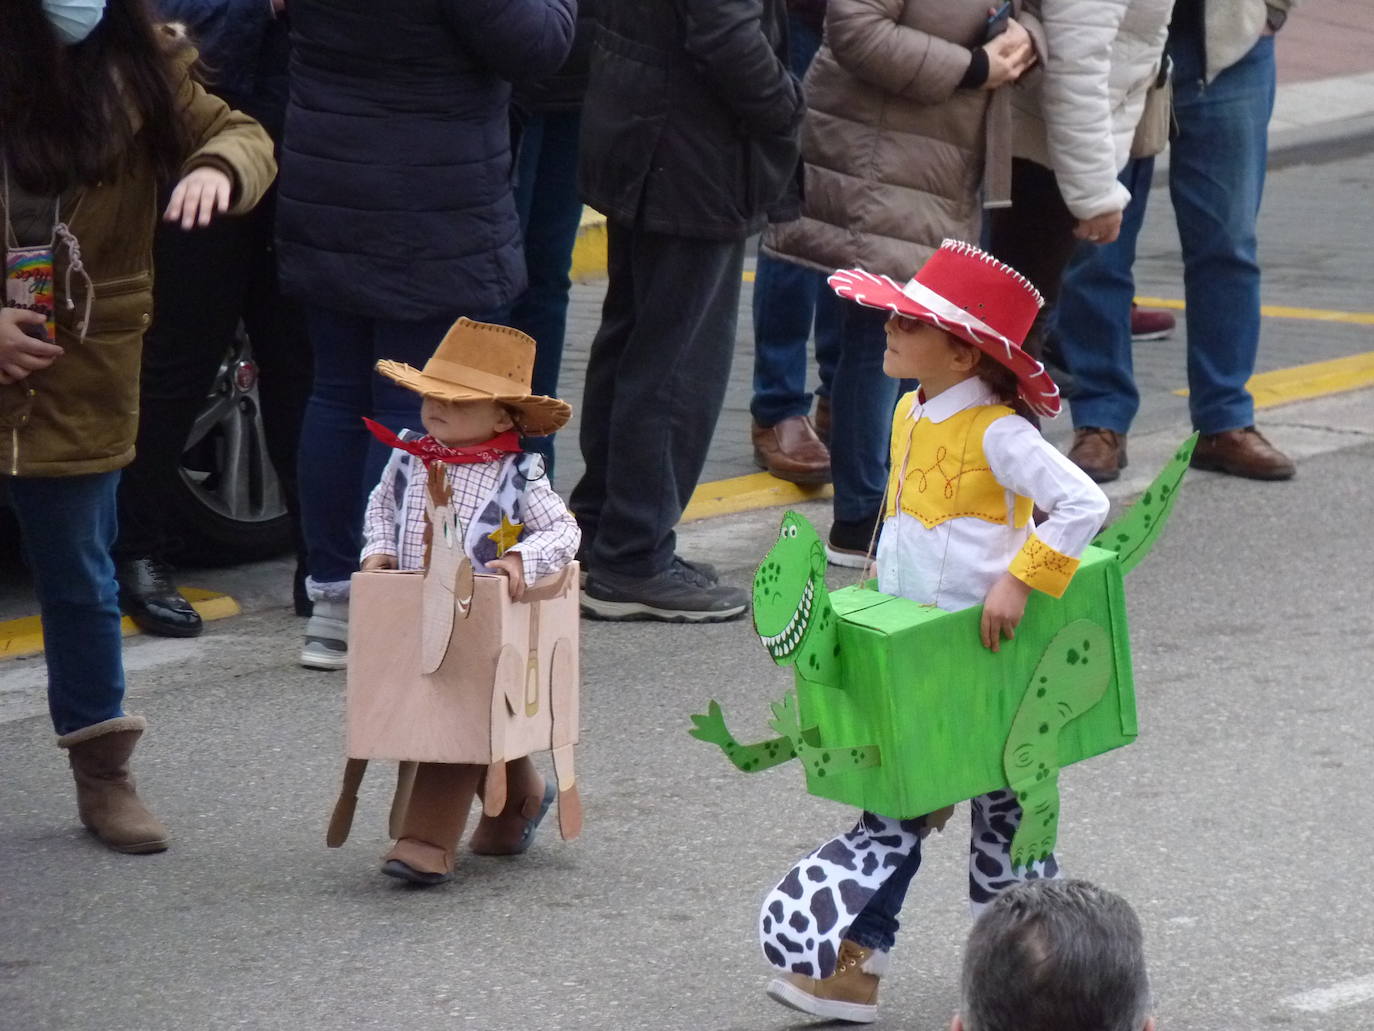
898 709
446 673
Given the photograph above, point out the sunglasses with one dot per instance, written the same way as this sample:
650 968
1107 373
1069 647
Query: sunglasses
905 323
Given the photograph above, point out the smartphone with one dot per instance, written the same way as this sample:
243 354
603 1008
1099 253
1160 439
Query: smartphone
997 21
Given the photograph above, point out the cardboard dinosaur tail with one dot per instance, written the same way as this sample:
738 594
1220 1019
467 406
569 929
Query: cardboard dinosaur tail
1131 536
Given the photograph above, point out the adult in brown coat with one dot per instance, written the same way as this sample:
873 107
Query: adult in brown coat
96 109
902 125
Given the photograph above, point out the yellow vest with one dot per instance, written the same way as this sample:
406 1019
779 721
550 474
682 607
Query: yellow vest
939 471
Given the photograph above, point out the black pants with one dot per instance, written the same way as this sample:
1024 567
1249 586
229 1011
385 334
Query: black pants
1035 237
208 279
656 380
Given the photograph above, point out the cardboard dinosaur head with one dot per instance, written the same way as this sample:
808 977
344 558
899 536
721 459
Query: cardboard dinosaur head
789 591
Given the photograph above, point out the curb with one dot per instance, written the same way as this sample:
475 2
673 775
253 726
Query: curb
24 636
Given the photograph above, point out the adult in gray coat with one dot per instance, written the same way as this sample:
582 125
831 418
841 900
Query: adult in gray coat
689 137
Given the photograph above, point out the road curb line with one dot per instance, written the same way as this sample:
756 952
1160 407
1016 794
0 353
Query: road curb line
1305 382
24 636
744 493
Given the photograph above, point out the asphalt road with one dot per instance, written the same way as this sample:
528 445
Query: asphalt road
1236 824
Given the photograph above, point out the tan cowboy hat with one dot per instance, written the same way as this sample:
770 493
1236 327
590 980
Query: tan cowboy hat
477 361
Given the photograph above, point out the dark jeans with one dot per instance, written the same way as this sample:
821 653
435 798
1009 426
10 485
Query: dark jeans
550 211
340 461
67 525
1035 237
862 398
207 280
656 380
788 300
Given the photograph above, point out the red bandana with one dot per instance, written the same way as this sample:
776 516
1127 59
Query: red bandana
430 450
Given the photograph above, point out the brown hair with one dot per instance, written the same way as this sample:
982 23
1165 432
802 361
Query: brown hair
71 115
999 379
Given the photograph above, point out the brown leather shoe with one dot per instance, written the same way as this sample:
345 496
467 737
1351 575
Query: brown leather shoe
1101 453
1242 452
791 451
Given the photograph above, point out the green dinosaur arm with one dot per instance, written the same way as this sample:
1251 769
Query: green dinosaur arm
1132 535
819 761
749 758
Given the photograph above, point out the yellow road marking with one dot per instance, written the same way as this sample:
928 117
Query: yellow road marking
743 493
1278 311
25 636
1302 382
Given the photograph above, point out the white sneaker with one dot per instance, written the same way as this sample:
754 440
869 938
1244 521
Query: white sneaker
326 637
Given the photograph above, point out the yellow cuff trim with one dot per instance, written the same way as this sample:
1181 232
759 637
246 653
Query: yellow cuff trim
1040 567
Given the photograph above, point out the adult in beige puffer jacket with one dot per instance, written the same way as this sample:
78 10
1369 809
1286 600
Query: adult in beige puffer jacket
901 109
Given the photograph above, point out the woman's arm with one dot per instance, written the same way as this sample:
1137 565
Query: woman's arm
870 44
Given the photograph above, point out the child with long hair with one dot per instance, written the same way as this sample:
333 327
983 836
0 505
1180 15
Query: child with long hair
98 112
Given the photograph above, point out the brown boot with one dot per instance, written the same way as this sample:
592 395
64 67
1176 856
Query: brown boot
1242 452
791 451
1098 452
105 795
435 815
849 994
528 799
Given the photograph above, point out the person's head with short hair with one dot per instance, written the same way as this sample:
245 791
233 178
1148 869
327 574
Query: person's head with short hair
1052 955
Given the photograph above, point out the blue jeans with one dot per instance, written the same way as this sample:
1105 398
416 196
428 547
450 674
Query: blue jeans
862 399
550 211
788 301
1216 180
339 460
67 525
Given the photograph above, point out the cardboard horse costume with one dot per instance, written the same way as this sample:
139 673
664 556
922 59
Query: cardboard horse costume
447 674
872 683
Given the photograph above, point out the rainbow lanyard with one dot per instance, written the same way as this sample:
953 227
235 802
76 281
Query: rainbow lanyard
30 271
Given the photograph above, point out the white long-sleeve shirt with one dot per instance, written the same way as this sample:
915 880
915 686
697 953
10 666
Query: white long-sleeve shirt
953 564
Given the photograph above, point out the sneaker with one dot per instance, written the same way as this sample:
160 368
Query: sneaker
849 994
849 542
1150 323
704 569
682 593
326 637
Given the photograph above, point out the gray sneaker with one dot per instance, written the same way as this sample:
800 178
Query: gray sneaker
326 637
680 594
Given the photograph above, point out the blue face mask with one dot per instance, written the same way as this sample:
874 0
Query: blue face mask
74 20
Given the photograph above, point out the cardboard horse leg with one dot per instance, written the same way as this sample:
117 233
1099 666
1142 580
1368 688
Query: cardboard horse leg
563 701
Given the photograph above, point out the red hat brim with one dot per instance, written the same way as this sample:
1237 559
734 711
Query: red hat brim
1034 383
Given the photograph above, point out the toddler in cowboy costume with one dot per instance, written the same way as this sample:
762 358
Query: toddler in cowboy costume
965 477
476 405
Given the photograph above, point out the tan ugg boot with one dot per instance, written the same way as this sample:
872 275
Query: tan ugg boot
849 994
528 798
105 796
434 817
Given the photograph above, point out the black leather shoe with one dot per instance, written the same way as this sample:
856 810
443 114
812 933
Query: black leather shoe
151 600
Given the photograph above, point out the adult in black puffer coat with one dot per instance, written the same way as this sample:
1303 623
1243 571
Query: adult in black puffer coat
395 216
689 139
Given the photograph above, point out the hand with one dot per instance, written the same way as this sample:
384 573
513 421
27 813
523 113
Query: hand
1010 55
1100 228
198 197
278 6
378 562
514 567
1002 611
21 354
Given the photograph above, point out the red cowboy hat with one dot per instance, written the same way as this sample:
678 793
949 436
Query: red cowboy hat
967 292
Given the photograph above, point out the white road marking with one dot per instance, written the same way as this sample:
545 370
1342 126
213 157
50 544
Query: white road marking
1338 996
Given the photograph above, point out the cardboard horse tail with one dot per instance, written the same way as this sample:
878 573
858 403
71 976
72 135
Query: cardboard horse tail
444 667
